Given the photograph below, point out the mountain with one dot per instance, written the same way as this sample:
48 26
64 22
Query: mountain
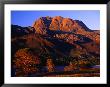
44 25
72 31
17 31
60 39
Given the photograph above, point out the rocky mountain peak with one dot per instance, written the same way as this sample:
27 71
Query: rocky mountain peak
59 23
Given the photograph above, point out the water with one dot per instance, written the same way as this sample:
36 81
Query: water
59 68
96 66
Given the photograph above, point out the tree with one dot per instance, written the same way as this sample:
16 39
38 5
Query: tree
70 67
50 65
76 54
25 62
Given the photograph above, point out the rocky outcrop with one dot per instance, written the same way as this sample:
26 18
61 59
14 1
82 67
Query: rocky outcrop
65 28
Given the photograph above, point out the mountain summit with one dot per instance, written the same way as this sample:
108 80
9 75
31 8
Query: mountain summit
58 25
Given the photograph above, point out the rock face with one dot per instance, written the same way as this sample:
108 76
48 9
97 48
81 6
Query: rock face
59 23
65 28
53 38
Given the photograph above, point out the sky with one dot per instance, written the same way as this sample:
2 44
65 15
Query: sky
91 18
